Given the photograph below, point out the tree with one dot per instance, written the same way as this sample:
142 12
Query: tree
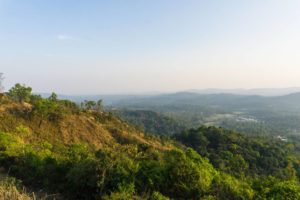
89 104
225 186
288 190
276 189
100 105
53 97
20 93
42 108
189 176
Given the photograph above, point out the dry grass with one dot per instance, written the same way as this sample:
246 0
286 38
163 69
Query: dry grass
10 192
74 128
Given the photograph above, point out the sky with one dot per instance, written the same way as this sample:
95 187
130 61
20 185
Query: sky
139 46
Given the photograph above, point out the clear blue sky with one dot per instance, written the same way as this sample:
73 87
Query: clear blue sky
129 46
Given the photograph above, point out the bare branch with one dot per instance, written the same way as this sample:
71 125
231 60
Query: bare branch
1 82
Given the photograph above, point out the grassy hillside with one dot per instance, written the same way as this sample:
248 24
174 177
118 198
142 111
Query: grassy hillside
66 123
57 147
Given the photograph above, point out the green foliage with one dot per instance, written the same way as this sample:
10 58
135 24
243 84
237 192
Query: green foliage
214 164
124 192
53 97
118 173
51 109
20 93
238 154
92 105
188 175
78 152
151 122
81 179
11 145
127 172
225 186
158 196
275 189
47 109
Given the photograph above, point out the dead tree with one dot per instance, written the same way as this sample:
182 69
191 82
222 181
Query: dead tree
1 85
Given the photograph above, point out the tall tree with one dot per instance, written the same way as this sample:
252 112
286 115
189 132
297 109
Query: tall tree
20 93
53 97
89 105
100 105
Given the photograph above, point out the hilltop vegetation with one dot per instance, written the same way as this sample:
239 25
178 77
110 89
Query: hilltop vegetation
62 121
82 152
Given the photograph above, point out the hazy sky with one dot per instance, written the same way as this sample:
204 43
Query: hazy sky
129 46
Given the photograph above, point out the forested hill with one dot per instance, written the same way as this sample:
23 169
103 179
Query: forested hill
151 122
245 113
82 152
243 155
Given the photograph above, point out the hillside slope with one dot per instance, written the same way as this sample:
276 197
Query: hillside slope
97 129
57 147
151 122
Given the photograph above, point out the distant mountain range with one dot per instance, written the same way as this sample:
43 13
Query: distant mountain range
224 101
112 99
257 91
